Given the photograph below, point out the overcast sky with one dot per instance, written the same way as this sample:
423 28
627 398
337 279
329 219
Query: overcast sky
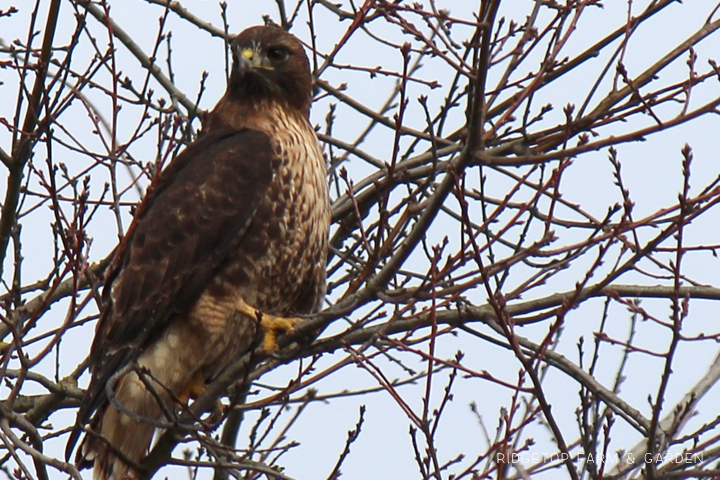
651 169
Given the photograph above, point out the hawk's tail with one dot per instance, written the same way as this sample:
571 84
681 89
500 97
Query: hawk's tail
126 436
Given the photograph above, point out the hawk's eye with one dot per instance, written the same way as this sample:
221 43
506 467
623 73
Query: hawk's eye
278 54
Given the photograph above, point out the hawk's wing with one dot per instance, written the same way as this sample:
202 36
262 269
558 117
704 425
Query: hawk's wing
189 222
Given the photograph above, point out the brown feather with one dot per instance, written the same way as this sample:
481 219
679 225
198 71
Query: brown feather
242 215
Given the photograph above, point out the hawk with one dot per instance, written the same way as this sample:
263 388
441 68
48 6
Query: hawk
230 243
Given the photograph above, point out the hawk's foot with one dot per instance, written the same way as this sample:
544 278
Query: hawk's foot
271 325
193 391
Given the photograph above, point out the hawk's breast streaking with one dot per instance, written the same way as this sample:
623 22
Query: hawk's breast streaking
237 223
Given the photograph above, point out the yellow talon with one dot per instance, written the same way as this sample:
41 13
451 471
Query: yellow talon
271 325
193 391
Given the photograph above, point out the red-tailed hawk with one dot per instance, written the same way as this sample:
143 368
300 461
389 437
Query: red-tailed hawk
229 243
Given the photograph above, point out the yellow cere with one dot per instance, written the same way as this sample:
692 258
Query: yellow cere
247 53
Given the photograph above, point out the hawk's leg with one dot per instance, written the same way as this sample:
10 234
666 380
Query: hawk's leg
271 325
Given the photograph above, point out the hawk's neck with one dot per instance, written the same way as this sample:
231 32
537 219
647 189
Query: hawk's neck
266 116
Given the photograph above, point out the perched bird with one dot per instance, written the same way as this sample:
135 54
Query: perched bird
229 244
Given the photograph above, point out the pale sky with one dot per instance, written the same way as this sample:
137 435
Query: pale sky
651 171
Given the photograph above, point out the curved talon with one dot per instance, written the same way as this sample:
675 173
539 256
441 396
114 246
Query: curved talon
194 391
271 325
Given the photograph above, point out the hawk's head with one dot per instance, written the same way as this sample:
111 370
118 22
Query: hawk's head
270 64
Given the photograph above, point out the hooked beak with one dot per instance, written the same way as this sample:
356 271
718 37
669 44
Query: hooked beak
250 59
